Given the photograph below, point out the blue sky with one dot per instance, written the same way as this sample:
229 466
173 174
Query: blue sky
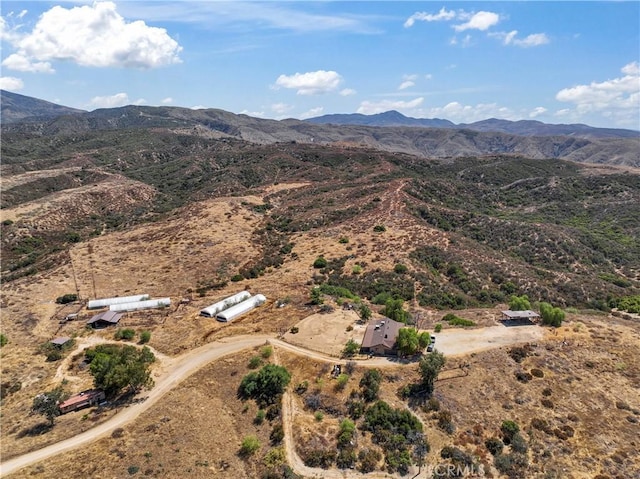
557 62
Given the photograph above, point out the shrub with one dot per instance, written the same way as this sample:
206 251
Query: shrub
509 429
445 421
133 470
370 384
346 459
302 387
266 352
255 362
250 445
275 457
127 334
465 323
294 330
357 269
432 404
319 458
355 409
519 303
400 268
260 415
67 298
343 240
523 376
551 316
494 446
265 386
145 337
518 444
320 262
3 340
341 382
537 373
318 416
379 228
237 277
277 434
438 327
350 348
547 403
369 459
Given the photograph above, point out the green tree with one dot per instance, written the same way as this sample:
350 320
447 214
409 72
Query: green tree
393 310
145 337
46 404
351 348
320 262
407 342
509 429
266 385
118 367
550 315
316 296
424 339
519 303
370 384
365 312
430 366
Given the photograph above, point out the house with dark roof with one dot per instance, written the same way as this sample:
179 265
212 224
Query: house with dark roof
520 315
104 319
380 337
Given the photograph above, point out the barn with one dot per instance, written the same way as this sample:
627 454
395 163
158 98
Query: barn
104 319
214 309
241 308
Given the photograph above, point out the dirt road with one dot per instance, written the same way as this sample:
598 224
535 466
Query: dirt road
172 371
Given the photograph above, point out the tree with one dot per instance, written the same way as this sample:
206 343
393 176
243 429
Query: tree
550 315
145 336
116 367
370 384
509 429
393 310
430 367
407 341
351 348
266 385
320 262
519 303
46 404
365 312
424 339
316 296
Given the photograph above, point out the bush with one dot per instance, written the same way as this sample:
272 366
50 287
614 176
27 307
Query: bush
294 330
357 269
3 340
260 415
350 348
551 316
318 416
277 434
127 334
145 337
445 421
266 352
302 387
67 298
465 323
341 382
320 262
519 303
237 277
518 444
400 268
494 446
369 459
537 373
133 470
509 429
379 228
255 362
370 384
250 445
438 327
343 240
265 386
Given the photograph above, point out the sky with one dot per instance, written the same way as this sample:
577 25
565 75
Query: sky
556 62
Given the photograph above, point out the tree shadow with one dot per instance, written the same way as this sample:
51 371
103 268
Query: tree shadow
517 322
36 430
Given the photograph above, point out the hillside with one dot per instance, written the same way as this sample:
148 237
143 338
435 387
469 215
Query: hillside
16 108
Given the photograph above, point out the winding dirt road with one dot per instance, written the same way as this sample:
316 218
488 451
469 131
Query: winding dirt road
172 371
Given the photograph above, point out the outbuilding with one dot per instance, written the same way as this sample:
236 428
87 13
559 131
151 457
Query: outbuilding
104 319
83 399
148 304
241 308
104 302
60 342
520 315
213 310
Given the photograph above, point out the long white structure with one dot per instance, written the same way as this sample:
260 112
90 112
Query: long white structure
149 304
214 309
241 308
103 303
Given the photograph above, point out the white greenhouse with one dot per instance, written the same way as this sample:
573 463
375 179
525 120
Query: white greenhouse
214 309
241 308
103 303
134 306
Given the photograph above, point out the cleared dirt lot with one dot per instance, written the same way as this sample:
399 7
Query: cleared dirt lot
458 342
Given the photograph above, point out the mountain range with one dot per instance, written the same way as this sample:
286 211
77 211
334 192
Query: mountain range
390 131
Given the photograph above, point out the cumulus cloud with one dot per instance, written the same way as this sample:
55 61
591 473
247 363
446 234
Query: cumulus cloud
21 63
348 92
91 35
478 21
537 111
459 113
443 14
11 83
167 101
510 38
310 83
406 84
373 107
113 101
618 98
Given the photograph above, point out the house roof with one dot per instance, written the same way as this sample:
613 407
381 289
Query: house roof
60 341
106 316
80 397
381 332
528 314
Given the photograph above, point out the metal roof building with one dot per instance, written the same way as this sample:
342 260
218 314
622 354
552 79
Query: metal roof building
103 303
241 308
214 309
148 304
106 318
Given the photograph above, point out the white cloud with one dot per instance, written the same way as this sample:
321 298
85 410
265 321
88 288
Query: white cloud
198 107
348 92
537 111
310 83
21 63
618 98
479 21
533 40
97 36
11 83
406 84
371 107
281 108
443 14
312 112
252 113
167 101
460 113
113 101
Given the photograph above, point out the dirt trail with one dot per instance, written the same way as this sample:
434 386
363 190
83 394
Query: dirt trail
172 371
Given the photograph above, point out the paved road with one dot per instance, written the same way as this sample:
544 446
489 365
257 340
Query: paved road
175 370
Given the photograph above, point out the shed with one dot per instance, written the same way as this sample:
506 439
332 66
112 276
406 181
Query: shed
148 304
214 309
83 399
380 337
103 303
60 341
104 319
513 315
241 308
